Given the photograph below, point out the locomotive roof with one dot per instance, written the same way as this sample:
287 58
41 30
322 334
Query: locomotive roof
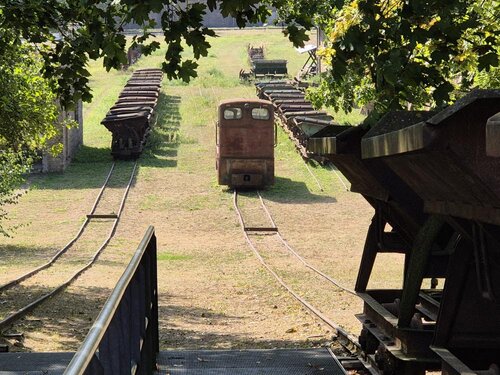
244 101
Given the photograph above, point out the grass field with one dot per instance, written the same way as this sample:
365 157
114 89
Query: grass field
213 292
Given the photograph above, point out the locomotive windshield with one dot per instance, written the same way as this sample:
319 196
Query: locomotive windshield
260 113
232 113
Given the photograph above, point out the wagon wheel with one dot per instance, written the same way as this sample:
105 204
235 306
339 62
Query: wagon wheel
390 365
368 341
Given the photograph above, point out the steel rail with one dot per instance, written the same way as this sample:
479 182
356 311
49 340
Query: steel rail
335 170
26 309
367 363
335 359
313 176
306 304
68 245
298 256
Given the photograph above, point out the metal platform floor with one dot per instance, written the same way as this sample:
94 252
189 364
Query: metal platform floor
34 363
249 362
197 362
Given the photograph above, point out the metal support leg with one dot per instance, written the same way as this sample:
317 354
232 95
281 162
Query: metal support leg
369 254
419 259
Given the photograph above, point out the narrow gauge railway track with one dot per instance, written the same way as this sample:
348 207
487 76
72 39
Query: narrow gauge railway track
339 175
356 361
21 295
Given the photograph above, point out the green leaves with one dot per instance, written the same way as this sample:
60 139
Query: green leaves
396 53
441 94
29 112
297 35
70 32
188 70
12 167
487 61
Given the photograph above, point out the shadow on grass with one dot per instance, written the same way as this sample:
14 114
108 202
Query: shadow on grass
15 253
163 141
84 175
67 316
91 165
15 260
286 190
175 337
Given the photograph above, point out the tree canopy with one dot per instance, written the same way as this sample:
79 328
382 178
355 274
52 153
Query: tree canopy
396 53
69 32
390 52
28 112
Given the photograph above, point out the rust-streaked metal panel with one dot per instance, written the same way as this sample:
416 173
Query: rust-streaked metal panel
146 106
397 132
312 113
278 96
245 149
143 93
409 139
243 101
233 172
322 146
320 121
295 107
137 99
130 109
300 101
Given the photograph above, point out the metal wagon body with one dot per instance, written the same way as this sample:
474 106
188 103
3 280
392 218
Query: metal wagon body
129 119
245 143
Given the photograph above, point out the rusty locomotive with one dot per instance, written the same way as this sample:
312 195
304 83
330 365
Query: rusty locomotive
245 138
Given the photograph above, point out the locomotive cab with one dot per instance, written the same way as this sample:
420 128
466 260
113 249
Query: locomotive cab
245 138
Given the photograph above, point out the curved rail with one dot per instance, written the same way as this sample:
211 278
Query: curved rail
299 257
67 246
26 309
310 307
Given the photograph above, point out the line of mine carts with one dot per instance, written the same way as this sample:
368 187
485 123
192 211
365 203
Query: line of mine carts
263 67
129 119
433 179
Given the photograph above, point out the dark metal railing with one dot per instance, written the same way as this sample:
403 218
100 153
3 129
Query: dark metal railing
124 337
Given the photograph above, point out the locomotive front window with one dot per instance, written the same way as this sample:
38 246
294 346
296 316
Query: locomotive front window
260 113
232 113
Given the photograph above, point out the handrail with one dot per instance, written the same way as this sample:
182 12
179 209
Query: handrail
87 352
